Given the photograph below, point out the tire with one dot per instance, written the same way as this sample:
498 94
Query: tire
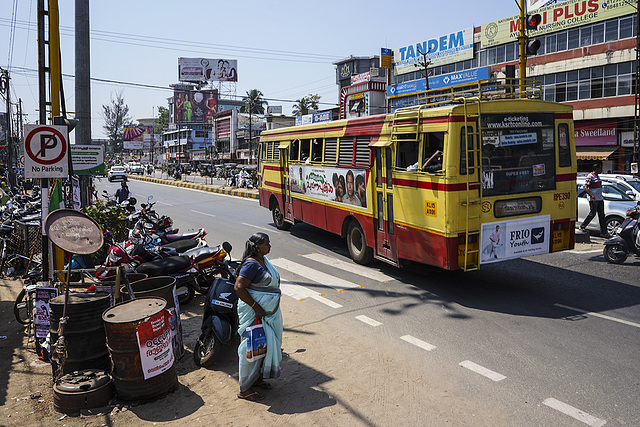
205 282
357 244
615 254
206 349
21 309
612 223
185 294
278 218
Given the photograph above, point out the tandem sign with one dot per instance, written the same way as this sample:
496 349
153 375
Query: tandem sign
445 49
438 82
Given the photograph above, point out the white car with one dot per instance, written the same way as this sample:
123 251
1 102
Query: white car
616 204
117 173
136 168
628 184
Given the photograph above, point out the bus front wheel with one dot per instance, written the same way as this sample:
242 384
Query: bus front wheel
278 218
357 244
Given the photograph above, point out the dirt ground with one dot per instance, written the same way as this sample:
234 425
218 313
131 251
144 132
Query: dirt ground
328 378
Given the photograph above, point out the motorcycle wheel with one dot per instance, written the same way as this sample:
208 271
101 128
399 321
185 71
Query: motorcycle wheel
185 294
206 349
615 254
205 282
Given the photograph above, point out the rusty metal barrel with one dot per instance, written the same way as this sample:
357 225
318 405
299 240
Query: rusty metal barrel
163 287
139 342
84 331
109 282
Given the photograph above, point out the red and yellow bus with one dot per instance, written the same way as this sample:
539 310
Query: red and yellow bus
474 175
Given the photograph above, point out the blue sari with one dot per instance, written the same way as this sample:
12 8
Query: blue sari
265 290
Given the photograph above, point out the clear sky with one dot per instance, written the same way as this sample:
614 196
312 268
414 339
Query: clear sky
284 48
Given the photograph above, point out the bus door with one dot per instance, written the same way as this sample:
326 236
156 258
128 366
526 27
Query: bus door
287 208
385 226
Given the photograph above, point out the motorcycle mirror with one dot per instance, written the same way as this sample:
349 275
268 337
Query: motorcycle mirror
226 246
150 197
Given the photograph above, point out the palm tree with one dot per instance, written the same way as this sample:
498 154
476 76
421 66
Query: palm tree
253 104
306 103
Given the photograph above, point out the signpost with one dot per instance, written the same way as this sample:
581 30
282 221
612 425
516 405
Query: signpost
46 151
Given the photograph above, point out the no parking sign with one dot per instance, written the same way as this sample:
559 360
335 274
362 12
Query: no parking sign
46 153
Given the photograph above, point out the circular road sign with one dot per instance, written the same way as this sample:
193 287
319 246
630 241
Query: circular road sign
45 145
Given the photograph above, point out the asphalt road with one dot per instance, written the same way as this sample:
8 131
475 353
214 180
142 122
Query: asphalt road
546 340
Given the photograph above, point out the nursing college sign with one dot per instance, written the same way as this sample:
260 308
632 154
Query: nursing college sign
555 17
442 50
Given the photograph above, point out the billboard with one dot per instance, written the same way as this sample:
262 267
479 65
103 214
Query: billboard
341 185
197 106
555 17
207 69
136 133
88 159
446 49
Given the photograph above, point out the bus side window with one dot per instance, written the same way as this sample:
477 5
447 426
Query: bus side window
295 148
406 153
305 149
433 142
564 150
466 136
316 150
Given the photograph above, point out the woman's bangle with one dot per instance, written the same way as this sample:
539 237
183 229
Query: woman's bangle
254 303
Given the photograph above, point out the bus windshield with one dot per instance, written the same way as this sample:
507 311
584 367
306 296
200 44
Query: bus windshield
518 153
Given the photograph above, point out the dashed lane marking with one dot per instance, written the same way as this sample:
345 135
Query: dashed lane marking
349 266
419 343
203 213
574 412
602 316
369 321
494 376
301 293
589 251
314 275
270 230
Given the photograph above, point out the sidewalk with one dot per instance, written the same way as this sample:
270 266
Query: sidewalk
220 189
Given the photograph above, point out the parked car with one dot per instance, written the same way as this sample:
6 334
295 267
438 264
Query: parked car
616 204
136 168
117 173
628 184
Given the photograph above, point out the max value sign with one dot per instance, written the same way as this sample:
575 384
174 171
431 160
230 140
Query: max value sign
46 153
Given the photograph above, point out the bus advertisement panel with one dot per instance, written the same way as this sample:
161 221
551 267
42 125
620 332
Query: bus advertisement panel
515 238
331 184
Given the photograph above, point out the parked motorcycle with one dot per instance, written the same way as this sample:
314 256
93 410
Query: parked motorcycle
219 321
626 239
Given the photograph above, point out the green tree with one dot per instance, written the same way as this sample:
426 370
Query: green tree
116 117
304 104
161 122
253 102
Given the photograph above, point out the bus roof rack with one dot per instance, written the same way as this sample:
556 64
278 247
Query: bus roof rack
482 90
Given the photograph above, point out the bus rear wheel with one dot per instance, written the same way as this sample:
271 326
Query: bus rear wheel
357 244
278 218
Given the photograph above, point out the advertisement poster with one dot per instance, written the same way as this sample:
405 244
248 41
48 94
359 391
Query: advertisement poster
43 311
515 238
199 106
207 69
445 49
154 342
332 184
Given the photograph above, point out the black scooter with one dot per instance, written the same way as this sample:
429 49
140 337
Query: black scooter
219 321
617 249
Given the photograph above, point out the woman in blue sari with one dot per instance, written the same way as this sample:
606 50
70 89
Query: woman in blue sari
258 288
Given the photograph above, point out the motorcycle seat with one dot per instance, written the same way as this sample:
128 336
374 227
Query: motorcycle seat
164 266
182 236
183 245
202 253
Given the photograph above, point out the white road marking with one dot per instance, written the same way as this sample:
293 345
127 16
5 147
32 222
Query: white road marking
164 203
369 321
419 343
300 292
314 275
602 316
590 251
270 230
203 213
349 266
574 412
482 370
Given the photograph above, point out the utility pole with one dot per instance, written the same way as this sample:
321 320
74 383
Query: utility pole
83 87
4 83
636 117
424 64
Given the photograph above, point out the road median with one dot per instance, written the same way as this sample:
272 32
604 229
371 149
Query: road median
231 191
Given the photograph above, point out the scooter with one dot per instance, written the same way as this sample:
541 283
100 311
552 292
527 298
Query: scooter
626 239
219 321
